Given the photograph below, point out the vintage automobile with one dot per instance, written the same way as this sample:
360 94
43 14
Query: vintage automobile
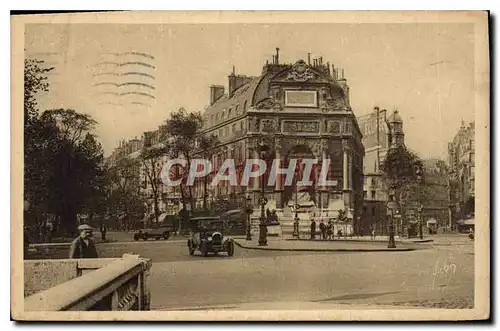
207 236
159 232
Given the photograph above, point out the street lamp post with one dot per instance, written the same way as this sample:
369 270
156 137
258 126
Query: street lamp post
419 209
249 212
296 233
262 200
391 206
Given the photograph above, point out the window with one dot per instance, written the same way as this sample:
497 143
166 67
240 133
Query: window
471 157
364 194
226 131
374 194
221 133
236 110
234 128
242 123
229 113
245 106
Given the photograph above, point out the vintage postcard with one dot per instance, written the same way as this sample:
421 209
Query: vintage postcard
251 166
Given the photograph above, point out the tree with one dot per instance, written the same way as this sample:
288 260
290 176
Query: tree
77 168
151 162
124 195
39 140
182 129
63 168
207 145
35 81
400 172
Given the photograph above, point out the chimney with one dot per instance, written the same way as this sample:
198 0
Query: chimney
216 92
235 81
309 58
277 55
321 61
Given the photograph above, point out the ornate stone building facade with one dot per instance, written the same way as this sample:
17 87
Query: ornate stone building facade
461 154
380 132
299 110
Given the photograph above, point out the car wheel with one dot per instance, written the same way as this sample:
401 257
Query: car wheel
230 249
145 237
204 250
166 235
190 247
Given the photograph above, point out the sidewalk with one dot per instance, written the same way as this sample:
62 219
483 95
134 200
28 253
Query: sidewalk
276 244
364 239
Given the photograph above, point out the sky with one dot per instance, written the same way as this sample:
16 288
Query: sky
424 70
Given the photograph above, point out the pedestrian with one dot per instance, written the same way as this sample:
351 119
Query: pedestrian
373 234
103 230
274 217
83 247
313 229
322 229
329 229
339 233
268 216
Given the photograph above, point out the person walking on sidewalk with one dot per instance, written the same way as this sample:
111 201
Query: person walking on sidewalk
322 229
103 230
373 234
329 229
313 229
83 247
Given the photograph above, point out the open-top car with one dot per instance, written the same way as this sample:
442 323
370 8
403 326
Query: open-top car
208 236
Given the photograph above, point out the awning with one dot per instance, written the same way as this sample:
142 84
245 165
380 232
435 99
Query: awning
467 222
232 212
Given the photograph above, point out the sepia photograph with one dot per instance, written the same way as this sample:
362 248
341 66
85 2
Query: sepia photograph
250 166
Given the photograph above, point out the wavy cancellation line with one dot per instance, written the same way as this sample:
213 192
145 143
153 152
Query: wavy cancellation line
124 84
133 53
127 93
144 64
125 74
119 104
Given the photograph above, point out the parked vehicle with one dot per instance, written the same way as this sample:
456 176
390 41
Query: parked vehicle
159 232
208 236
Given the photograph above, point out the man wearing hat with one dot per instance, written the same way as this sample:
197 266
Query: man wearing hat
83 247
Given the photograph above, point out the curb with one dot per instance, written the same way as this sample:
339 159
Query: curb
343 241
365 241
418 241
406 249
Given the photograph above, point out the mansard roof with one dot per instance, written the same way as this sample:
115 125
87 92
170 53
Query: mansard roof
257 88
